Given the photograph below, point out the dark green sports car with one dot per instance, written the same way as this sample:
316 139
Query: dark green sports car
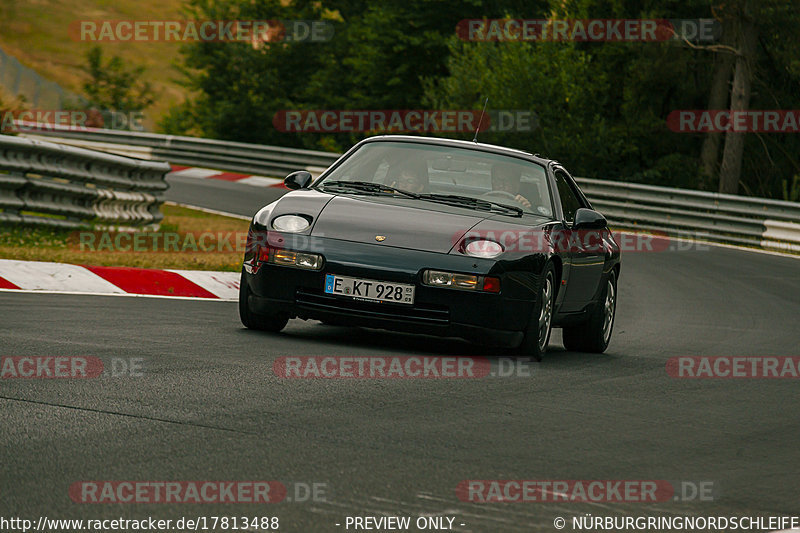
436 236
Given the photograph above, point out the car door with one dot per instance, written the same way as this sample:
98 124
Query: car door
585 258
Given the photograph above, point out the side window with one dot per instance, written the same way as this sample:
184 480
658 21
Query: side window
569 200
533 186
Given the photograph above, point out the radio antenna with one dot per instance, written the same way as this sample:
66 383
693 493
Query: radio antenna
475 139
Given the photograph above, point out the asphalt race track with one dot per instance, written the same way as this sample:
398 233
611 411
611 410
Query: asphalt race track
221 195
209 407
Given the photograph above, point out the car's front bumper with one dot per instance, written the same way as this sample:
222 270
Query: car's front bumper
486 318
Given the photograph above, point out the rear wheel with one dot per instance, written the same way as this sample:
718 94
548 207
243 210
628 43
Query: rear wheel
594 335
253 320
537 335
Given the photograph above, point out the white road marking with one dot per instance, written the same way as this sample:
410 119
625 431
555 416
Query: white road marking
224 285
210 211
260 181
194 172
77 293
41 276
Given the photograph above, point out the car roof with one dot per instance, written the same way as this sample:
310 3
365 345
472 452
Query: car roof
461 144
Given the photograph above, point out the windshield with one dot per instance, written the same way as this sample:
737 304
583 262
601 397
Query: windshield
435 172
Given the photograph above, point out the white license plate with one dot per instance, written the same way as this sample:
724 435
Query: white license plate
369 289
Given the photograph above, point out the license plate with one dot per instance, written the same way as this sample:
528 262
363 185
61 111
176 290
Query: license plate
369 289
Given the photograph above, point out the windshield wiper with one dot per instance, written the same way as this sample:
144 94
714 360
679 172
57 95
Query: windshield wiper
450 199
368 186
455 199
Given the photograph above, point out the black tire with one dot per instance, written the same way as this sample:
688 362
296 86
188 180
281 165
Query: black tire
594 335
253 320
537 335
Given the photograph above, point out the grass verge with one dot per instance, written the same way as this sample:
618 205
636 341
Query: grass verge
188 239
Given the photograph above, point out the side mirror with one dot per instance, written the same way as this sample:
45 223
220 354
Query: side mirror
589 219
298 180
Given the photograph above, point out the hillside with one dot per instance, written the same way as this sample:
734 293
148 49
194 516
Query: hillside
36 32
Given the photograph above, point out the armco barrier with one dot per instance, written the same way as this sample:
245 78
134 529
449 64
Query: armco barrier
716 217
64 186
759 222
246 158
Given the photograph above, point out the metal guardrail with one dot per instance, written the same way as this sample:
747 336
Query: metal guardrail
62 186
727 218
223 155
715 217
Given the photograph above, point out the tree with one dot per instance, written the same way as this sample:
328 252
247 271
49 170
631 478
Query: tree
602 106
719 94
113 87
759 49
379 54
746 38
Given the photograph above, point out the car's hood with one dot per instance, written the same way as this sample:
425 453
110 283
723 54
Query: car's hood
401 226
403 223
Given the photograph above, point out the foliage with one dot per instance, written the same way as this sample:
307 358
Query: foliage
112 86
601 106
792 192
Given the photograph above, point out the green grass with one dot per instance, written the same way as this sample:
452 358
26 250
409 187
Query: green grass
34 243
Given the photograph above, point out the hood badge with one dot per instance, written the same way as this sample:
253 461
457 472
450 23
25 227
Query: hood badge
380 238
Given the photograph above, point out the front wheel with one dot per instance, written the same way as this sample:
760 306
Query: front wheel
537 335
253 320
594 335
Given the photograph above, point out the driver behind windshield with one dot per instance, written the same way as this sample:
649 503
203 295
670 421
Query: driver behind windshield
506 178
411 177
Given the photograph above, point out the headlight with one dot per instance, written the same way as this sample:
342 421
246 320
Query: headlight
296 259
436 278
290 223
454 280
483 248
